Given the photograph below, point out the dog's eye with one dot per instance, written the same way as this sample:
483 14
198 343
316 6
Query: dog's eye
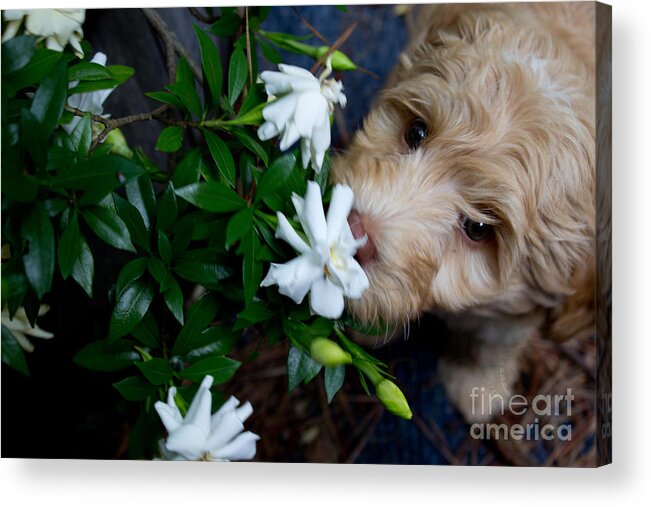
477 231
415 133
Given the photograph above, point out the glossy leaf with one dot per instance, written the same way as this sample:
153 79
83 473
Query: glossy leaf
50 98
167 209
334 379
211 196
200 314
83 270
170 139
69 248
102 355
134 222
238 72
109 227
140 193
130 307
135 388
37 230
300 367
158 371
275 176
211 65
12 352
221 369
239 225
221 155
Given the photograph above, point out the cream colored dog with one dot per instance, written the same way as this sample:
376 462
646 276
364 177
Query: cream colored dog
474 181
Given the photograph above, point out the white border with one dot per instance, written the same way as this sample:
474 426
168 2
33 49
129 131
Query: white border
69 483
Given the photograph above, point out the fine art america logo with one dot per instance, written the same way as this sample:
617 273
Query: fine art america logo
485 405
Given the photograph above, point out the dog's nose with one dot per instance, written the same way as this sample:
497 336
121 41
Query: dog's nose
367 252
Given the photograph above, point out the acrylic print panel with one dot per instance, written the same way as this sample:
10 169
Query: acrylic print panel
365 234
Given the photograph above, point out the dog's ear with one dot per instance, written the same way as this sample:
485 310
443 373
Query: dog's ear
575 317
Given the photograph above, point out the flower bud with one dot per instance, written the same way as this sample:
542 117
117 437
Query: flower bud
329 353
115 139
392 398
338 60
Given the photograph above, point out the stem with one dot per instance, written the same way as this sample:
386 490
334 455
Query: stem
342 38
248 46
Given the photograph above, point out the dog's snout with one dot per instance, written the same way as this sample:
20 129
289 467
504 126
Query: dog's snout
367 252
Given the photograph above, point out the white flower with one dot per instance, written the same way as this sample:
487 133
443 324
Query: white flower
325 267
91 102
20 327
200 436
301 110
58 27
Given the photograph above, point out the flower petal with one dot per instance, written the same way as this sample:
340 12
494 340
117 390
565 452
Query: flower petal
199 411
287 233
326 299
188 440
242 448
312 217
170 416
229 427
309 109
340 205
267 130
294 278
351 278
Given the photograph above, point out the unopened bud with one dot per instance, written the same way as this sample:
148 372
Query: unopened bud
115 139
338 60
392 398
329 353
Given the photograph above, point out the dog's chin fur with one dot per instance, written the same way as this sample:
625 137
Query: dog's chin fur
507 93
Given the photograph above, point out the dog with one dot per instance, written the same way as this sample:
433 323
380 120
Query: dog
474 181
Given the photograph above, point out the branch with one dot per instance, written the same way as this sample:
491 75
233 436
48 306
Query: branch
171 40
201 17
342 38
248 46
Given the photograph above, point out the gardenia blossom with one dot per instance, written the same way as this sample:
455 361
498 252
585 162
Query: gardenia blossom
200 436
21 328
91 102
58 27
325 267
301 110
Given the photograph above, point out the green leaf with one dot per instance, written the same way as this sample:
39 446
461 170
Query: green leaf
334 379
83 270
274 177
146 332
226 26
81 137
130 307
106 172
211 196
140 193
221 155
238 72
158 371
50 98
131 271
158 270
211 65
170 139
269 52
135 388
14 288
88 71
200 314
200 267
102 355
252 314
17 52
69 245
37 229
34 139
221 369
214 341
40 66
251 144
174 299
188 170
109 227
167 208
12 352
164 247
187 94
251 268
239 225
166 98
300 367
134 222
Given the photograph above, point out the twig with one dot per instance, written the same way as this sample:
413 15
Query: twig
342 38
310 27
248 46
200 17
170 38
